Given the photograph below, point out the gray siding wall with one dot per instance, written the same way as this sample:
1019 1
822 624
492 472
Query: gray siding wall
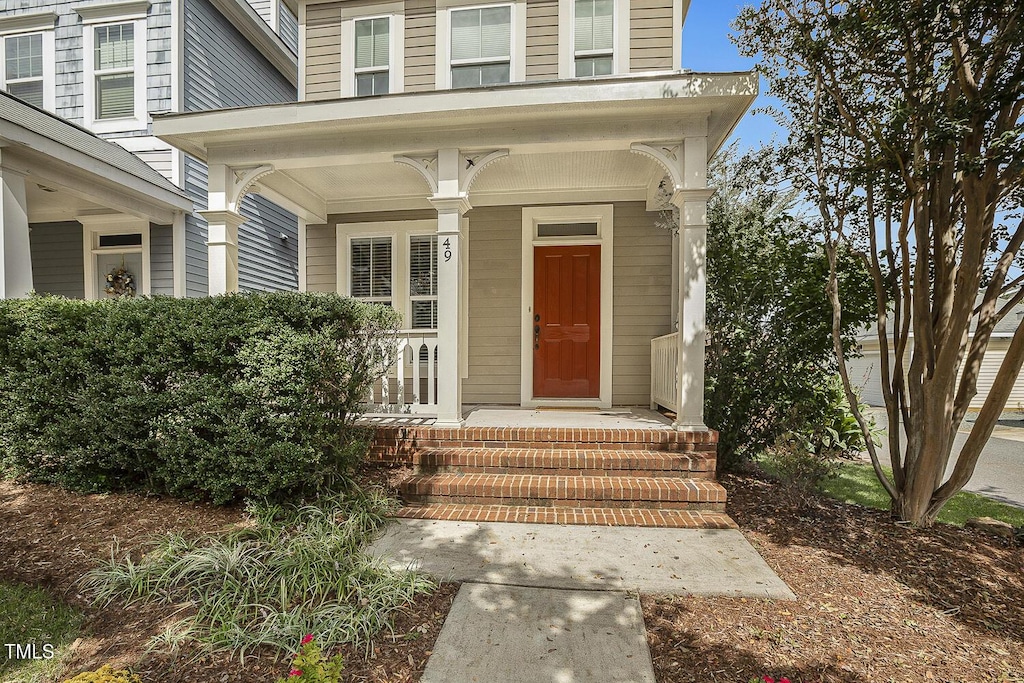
263 8
288 28
196 274
161 259
222 69
267 263
58 266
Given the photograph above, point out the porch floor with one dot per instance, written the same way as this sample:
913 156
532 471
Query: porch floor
512 416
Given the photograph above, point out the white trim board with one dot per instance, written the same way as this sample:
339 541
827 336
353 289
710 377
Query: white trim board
112 224
603 215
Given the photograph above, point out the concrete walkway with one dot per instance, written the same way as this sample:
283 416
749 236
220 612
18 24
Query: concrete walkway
549 604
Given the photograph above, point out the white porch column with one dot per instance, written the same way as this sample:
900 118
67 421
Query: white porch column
222 220
451 203
692 200
15 252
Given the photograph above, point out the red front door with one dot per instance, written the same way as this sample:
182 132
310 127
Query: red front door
567 322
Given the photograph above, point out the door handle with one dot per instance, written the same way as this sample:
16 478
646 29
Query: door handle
536 318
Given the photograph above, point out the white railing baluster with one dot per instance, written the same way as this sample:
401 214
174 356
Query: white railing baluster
407 396
664 371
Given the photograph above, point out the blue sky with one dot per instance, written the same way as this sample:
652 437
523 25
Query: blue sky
706 47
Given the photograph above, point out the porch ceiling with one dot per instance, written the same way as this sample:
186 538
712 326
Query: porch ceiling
508 180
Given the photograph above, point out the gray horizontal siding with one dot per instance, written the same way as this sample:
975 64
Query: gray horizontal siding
222 69
161 259
196 275
58 265
263 8
288 28
267 263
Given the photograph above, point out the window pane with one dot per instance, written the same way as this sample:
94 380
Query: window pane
24 56
423 265
491 74
115 46
465 76
566 229
424 315
115 96
126 240
372 42
466 34
371 267
372 84
31 92
496 31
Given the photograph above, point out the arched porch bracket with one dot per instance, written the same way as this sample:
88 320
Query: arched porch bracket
425 165
474 162
245 179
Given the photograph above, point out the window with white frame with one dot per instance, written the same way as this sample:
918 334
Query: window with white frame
23 67
114 65
594 37
373 56
481 46
423 281
370 269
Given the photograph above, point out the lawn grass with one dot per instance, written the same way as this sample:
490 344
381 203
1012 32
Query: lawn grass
857 483
30 616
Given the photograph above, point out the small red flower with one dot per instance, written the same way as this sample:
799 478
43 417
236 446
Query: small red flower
308 638
769 679
294 672
783 680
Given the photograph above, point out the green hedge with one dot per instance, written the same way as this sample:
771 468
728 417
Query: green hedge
219 398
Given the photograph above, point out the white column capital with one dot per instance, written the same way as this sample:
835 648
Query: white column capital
222 217
457 204
222 250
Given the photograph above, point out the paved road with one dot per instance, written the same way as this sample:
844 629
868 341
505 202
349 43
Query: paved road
1000 470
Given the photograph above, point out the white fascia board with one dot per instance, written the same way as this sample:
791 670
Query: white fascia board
617 97
28 23
244 18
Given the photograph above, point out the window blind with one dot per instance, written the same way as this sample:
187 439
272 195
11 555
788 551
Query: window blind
423 281
372 42
115 52
594 24
484 33
371 269
115 96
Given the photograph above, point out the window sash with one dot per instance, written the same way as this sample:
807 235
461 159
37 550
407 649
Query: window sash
594 25
23 57
423 282
370 269
481 33
373 43
114 47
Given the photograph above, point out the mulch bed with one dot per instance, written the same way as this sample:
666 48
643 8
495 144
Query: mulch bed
876 601
51 538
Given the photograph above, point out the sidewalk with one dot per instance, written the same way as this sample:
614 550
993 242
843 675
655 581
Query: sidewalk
559 603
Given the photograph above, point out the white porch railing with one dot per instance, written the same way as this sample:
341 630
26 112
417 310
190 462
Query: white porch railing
410 385
665 371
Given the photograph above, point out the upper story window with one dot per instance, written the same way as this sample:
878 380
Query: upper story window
372 56
481 46
27 57
594 37
114 44
23 76
114 71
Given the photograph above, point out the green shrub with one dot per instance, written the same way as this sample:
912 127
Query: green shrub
220 398
105 674
309 665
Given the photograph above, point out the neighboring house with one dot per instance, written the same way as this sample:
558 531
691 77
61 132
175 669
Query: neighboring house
108 66
62 179
492 170
866 374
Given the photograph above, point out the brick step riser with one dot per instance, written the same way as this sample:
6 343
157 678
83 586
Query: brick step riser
563 471
440 499
643 517
405 453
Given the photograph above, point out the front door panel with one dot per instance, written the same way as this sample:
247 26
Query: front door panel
567 322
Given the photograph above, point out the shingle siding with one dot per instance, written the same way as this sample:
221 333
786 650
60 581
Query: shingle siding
58 265
222 69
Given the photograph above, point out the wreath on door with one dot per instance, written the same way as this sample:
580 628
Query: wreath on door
120 282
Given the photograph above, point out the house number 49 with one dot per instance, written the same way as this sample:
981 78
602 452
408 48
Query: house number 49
447 250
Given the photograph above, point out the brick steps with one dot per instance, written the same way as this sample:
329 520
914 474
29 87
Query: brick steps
675 519
548 490
606 477
565 462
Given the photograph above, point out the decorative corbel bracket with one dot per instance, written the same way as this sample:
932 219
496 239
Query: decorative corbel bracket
245 179
425 165
473 163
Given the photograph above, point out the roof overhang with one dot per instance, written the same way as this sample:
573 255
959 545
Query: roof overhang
531 117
